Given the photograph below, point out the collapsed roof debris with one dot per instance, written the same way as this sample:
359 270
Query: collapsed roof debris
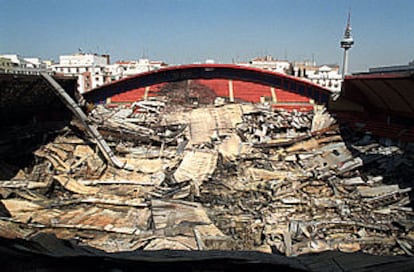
229 177
232 177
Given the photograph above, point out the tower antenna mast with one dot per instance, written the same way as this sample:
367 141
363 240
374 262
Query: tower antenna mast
346 43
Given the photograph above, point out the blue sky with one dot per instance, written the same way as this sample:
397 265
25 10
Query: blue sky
186 31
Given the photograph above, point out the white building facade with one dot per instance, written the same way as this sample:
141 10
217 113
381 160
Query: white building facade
15 64
112 72
130 68
268 63
327 76
93 70
88 68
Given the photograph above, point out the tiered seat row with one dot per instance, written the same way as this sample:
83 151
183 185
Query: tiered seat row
242 91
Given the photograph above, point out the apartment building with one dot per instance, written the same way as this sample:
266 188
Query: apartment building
88 68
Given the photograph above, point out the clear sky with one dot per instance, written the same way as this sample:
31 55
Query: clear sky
186 31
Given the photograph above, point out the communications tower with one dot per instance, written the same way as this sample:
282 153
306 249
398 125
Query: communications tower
346 43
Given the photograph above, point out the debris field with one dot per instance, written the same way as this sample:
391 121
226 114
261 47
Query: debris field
216 177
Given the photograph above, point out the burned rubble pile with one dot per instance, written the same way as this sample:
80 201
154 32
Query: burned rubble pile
187 92
234 177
